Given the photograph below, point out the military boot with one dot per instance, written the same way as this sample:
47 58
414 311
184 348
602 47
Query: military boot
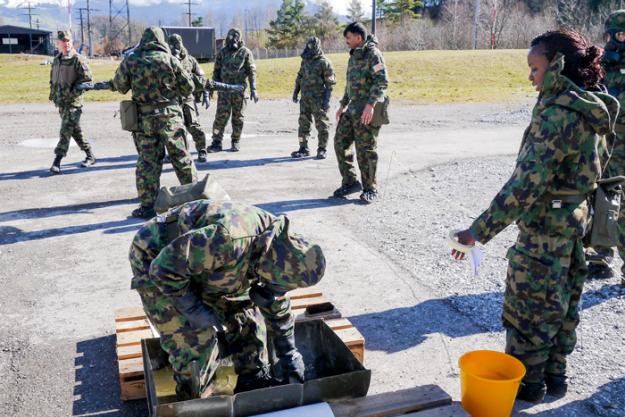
302 152
201 155
235 146
56 165
556 385
251 382
532 392
89 160
143 212
215 146
344 190
599 271
369 196
321 153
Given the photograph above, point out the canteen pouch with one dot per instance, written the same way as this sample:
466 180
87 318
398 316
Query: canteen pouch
206 189
128 114
606 205
380 113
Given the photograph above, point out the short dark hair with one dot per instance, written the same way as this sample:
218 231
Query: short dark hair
356 28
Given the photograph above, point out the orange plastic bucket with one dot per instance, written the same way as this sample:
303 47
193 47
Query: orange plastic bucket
489 382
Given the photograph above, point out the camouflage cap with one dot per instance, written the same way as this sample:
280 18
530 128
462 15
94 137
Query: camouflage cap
616 21
290 260
64 35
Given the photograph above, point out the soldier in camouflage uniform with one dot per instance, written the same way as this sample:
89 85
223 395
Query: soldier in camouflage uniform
315 80
233 65
69 70
213 277
366 85
157 81
600 258
556 170
189 106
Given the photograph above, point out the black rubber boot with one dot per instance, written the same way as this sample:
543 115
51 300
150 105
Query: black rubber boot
369 196
143 212
345 190
557 385
89 160
321 154
532 392
599 271
235 146
252 382
301 152
201 155
215 147
56 165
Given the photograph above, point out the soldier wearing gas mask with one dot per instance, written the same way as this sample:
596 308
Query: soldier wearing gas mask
234 64
213 278
600 258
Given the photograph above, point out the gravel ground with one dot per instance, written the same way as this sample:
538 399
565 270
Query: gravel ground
430 202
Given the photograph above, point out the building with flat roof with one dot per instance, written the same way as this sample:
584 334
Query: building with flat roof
17 40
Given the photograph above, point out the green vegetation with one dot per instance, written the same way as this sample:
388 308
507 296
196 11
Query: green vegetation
416 77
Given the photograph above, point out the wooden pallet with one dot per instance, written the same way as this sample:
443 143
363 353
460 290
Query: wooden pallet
131 325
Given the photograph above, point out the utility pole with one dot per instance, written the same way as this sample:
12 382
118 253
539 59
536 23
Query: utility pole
189 3
89 29
30 15
114 13
373 16
82 30
476 19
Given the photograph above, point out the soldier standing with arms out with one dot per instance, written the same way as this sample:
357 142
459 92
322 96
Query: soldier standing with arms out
209 267
189 106
557 168
315 80
157 81
367 82
69 70
614 64
233 65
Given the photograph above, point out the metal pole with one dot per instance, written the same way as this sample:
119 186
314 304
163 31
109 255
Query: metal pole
128 23
89 29
373 16
189 3
476 19
82 32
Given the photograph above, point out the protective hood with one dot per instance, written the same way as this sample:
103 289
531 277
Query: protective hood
153 39
232 33
175 43
313 48
599 110
288 260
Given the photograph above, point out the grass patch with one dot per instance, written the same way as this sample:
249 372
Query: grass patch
416 77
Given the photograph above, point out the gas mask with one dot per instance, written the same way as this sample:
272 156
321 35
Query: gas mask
175 52
311 49
614 46
232 40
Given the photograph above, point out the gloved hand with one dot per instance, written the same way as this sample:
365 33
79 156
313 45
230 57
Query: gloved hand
102 85
205 101
295 95
253 94
290 359
85 86
325 104
198 314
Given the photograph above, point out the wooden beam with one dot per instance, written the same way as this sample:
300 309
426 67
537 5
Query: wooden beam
454 410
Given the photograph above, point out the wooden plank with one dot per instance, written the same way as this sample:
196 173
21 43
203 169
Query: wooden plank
392 403
454 410
129 352
304 293
129 314
302 303
133 337
350 336
133 390
339 324
130 368
129 326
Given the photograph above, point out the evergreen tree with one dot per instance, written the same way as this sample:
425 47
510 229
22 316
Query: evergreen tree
400 10
355 13
325 22
286 30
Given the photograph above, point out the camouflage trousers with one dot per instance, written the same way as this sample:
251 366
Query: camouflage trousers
245 343
541 306
160 132
229 104
351 132
309 108
70 128
192 123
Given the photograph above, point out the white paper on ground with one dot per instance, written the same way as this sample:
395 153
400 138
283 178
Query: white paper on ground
313 410
476 256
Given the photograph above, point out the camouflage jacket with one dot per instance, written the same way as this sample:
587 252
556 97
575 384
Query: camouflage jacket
559 156
66 73
615 82
234 67
212 253
152 73
192 67
367 80
314 76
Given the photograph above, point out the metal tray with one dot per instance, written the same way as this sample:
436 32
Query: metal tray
332 373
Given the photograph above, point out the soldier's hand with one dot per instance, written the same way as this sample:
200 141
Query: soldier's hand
339 112
367 115
205 101
254 96
295 99
86 86
464 238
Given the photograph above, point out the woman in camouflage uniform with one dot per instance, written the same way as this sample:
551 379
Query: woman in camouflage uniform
557 168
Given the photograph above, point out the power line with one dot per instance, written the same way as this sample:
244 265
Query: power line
30 15
189 3
115 12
